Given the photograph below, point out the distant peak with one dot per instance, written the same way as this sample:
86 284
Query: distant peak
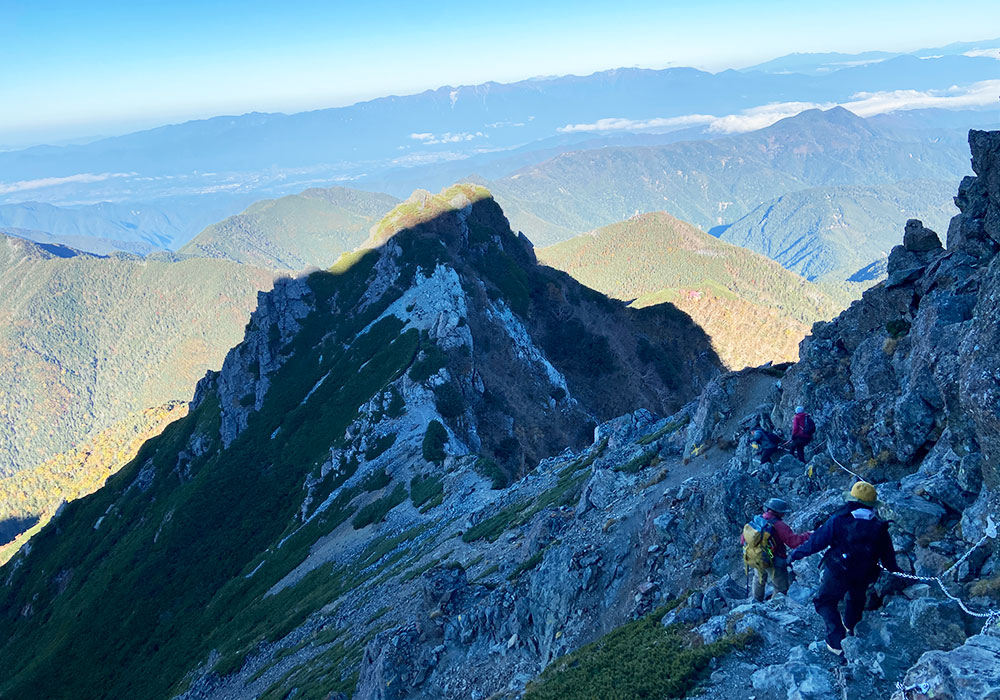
422 206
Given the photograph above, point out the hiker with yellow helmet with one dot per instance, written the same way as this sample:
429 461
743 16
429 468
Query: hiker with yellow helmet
856 541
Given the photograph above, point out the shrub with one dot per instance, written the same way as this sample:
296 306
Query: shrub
491 528
376 511
492 471
435 438
638 463
424 488
376 480
449 400
897 328
379 446
527 565
640 659
431 359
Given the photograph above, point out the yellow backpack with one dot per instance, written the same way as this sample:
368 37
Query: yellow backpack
758 545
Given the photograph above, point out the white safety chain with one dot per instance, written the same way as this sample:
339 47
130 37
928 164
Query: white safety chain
992 617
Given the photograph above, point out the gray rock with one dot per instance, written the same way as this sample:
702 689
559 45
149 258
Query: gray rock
919 239
969 672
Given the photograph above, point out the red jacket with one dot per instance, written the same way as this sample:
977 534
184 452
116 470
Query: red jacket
799 425
784 538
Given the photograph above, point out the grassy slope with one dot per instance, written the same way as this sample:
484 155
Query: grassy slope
753 309
38 492
311 228
87 341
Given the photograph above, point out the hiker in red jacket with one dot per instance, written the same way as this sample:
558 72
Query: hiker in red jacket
783 539
803 429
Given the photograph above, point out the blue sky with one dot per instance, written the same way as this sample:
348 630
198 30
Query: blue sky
70 69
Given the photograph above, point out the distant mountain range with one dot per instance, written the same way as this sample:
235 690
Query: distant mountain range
311 228
831 233
135 227
822 63
754 310
715 182
374 143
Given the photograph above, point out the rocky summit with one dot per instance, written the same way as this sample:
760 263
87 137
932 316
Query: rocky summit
439 470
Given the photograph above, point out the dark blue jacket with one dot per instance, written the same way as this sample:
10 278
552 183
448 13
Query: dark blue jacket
855 546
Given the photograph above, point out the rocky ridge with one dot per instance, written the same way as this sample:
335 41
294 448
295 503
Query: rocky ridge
369 407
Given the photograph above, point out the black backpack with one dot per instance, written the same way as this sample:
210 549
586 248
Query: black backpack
808 425
855 551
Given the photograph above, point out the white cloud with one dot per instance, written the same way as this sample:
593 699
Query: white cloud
81 178
864 104
619 124
980 94
987 53
431 139
760 117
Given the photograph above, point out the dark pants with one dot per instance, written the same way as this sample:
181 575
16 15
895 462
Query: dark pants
833 589
799 447
766 453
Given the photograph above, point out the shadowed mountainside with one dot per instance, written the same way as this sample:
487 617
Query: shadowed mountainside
754 310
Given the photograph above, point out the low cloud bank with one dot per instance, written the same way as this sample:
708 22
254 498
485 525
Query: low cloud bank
23 185
864 104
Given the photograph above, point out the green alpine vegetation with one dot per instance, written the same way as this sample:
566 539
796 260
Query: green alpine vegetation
754 310
313 227
640 659
90 341
212 542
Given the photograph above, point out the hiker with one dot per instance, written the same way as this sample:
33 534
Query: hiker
766 540
858 542
766 443
803 429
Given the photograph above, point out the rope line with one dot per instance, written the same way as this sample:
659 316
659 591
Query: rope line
856 476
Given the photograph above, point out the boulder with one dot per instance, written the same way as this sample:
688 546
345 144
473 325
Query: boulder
969 672
919 239
910 514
